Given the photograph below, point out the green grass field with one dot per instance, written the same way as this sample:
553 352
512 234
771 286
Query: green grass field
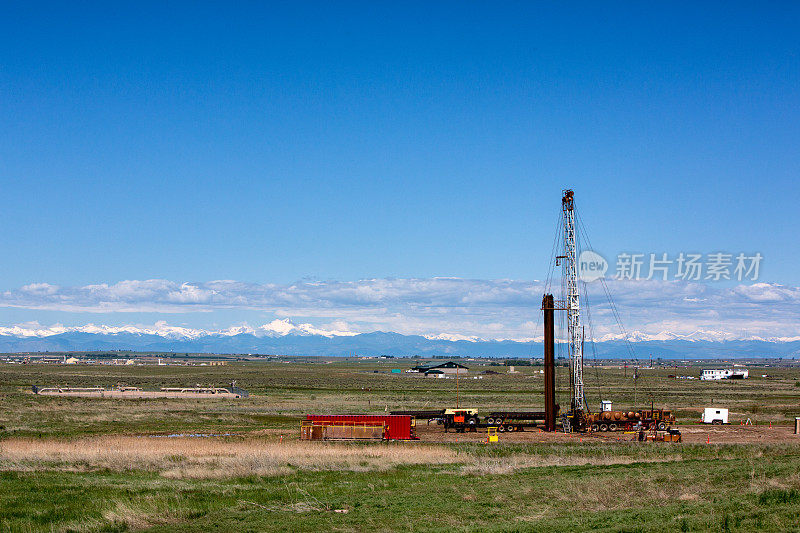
77 464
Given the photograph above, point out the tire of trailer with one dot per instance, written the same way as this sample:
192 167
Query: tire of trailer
490 420
510 428
472 421
662 426
612 426
603 427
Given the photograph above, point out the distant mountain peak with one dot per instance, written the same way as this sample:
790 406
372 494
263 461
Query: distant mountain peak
282 336
276 328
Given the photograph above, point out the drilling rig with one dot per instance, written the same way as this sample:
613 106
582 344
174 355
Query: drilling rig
576 416
579 417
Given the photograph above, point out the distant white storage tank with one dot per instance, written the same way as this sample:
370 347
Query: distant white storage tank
715 415
726 373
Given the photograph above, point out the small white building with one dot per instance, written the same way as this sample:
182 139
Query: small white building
715 415
725 373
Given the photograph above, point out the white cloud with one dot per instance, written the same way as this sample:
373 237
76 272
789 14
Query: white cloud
40 289
455 308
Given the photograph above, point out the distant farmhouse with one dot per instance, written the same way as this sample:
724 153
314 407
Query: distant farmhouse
733 373
443 370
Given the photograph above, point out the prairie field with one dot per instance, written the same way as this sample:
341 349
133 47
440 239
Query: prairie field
91 464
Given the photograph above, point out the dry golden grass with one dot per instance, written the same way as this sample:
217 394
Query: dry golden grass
212 458
198 458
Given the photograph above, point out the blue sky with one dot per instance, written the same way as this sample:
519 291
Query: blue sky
271 143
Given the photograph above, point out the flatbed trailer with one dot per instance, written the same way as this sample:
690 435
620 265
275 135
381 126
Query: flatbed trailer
509 427
514 420
462 420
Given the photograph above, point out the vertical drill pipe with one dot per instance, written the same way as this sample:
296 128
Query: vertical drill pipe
549 364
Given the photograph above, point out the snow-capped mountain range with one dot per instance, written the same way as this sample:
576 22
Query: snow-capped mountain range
286 338
276 328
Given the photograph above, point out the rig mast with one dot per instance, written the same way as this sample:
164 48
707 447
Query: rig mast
574 331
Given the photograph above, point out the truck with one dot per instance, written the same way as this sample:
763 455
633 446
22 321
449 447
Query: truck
468 419
463 419
715 415
659 419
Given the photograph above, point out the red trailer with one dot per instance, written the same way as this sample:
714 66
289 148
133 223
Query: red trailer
395 427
